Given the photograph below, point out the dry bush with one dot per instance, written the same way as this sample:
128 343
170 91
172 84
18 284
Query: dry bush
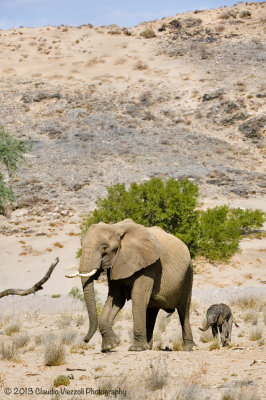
244 14
256 334
140 65
54 354
157 375
191 391
148 33
68 336
14 327
8 350
225 15
21 340
206 337
251 316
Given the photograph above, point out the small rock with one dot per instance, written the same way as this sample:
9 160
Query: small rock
216 94
253 127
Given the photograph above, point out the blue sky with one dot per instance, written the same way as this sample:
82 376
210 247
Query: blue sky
15 13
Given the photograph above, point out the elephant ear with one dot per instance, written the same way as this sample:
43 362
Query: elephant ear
138 249
221 318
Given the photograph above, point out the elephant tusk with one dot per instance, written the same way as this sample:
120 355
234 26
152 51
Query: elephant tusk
87 275
72 275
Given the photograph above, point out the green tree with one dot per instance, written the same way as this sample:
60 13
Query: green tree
11 156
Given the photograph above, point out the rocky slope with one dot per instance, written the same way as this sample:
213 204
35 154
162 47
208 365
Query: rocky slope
179 97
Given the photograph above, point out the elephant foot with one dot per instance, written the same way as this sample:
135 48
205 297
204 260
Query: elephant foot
188 346
149 345
110 343
139 347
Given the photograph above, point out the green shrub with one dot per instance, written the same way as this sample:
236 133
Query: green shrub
170 204
11 157
6 195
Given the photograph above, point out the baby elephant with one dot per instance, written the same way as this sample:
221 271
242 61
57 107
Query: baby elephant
219 316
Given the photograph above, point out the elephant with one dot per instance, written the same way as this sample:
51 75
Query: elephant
148 266
220 317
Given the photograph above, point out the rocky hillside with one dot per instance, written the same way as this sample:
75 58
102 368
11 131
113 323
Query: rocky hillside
179 97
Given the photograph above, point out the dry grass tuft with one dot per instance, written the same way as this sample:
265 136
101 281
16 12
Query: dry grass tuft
61 380
256 334
54 354
21 340
157 375
251 316
214 345
68 336
240 391
8 350
12 328
177 344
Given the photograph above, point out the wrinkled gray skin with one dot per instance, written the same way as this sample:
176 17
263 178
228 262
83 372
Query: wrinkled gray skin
220 317
146 265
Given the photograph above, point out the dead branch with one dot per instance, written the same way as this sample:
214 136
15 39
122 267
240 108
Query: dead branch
34 288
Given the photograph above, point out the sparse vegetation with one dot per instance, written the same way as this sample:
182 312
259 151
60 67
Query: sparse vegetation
54 353
214 234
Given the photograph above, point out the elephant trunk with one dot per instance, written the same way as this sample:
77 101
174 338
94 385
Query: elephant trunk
206 327
88 262
88 289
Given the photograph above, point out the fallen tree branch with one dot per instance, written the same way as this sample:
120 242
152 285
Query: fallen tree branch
33 289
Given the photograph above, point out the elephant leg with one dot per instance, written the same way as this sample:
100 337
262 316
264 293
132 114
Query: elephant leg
214 331
110 310
230 324
151 316
188 342
224 332
141 293
183 312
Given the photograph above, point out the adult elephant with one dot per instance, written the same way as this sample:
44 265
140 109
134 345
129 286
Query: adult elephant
147 265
